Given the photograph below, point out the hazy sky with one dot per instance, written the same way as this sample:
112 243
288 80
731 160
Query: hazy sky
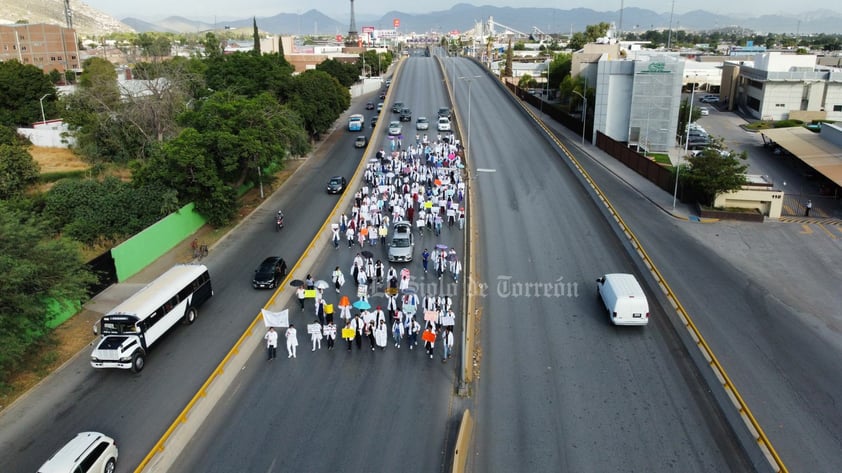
339 9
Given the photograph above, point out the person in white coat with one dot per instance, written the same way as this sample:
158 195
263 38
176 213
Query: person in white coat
447 343
381 336
316 337
330 334
338 279
271 338
397 332
292 341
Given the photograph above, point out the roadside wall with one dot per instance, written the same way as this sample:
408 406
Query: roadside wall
142 249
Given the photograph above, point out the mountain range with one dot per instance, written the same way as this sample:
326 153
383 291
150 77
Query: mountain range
461 17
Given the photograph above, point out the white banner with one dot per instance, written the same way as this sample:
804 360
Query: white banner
275 319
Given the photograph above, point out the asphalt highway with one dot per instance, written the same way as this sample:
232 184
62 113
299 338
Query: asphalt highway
340 410
560 388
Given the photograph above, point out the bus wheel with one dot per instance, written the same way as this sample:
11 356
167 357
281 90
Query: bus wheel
138 361
191 315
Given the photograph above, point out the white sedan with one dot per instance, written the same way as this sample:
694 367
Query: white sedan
444 124
395 128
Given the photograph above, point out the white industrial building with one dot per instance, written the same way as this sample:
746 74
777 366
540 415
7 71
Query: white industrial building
638 98
776 86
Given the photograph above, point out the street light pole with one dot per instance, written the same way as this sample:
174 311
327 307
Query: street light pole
686 144
584 114
470 80
41 101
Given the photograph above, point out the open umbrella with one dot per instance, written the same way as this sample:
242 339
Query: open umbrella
296 283
391 291
440 246
408 290
390 175
344 302
322 284
367 254
451 257
437 182
361 305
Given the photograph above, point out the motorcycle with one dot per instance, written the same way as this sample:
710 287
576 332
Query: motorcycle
279 221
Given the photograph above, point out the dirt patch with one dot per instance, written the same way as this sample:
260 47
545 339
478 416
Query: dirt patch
74 335
57 159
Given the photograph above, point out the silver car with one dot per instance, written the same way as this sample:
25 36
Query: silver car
395 128
402 244
421 123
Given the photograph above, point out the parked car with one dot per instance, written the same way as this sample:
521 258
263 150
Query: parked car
421 123
704 111
698 143
444 124
709 99
395 128
379 107
397 107
402 244
91 452
369 105
444 112
360 141
270 273
336 185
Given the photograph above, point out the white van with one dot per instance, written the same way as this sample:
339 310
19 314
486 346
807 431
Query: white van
624 299
88 452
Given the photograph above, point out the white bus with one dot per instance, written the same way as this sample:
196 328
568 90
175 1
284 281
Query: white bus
132 327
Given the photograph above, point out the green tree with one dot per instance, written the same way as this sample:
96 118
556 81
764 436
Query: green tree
35 268
99 80
507 71
21 87
103 212
256 35
249 74
526 81
319 99
714 171
17 170
590 35
682 116
347 74
559 69
226 139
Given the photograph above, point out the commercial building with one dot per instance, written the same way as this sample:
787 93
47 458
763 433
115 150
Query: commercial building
637 99
47 47
776 86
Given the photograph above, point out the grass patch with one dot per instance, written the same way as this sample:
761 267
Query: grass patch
48 177
661 158
760 125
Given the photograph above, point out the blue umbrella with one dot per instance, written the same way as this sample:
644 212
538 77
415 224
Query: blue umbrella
361 305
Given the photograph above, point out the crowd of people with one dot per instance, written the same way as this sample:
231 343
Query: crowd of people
422 183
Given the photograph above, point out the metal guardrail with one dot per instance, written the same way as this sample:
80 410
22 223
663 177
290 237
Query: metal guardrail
737 401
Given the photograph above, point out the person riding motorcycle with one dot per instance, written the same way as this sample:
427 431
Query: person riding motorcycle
279 220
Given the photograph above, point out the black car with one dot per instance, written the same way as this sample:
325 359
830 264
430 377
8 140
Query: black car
406 115
369 106
336 185
360 141
397 107
270 273
444 112
373 121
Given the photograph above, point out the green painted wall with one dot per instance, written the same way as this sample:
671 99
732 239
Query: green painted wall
142 249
